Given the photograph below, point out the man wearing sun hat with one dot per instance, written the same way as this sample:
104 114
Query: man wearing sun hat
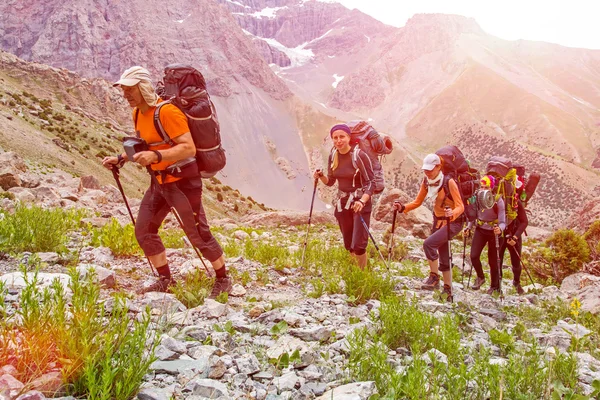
166 191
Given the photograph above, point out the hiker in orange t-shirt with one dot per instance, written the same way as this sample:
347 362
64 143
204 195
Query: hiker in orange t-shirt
166 191
447 208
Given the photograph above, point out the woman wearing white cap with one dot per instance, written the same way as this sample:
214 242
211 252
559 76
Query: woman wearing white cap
446 207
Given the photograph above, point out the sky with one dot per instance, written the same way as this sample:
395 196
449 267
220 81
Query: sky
572 23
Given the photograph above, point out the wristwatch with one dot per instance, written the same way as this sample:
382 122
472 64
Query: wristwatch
158 155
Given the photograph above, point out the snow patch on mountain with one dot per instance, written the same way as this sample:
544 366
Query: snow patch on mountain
338 79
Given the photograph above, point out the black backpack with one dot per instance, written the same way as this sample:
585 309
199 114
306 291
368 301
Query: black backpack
185 87
374 144
456 166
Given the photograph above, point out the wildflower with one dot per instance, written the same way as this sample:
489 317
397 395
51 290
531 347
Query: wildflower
575 307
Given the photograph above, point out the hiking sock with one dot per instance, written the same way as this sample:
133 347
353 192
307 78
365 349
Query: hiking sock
221 272
164 272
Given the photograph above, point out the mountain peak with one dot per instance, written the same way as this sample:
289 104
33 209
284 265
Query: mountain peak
453 24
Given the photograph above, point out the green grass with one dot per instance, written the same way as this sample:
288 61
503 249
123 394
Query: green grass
36 229
527 374
100 355
193 289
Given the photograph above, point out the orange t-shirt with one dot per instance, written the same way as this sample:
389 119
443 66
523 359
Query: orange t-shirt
175 124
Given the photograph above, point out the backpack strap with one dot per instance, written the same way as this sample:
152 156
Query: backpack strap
160 128
446 187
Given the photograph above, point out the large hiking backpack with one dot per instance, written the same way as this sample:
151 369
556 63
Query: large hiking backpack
185 87
529 184
456 166
502 168
365 137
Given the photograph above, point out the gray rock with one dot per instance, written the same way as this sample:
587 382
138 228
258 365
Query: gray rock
287 381
32 395
195 332
237 290
105 277
206 388
212 309
247 364
49 257
16 280
493 313
351 391
164 354
154 393
241 235
287 344
222 340
316 388
164 303
174 345
175 367
204 352
316 333
435 355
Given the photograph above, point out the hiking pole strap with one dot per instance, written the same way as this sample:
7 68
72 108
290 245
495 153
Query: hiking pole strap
115 172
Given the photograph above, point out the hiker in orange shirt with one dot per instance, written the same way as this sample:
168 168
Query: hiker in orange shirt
446 207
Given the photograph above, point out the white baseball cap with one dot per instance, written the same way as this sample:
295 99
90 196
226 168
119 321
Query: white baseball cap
133 76
430 162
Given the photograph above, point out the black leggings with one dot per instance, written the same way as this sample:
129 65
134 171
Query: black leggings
515 254
356 237
481 238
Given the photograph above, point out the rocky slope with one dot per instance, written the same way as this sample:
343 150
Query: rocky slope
236 350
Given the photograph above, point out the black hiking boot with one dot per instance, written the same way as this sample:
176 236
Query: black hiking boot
478 282
518 288
493 290
431 283
447 291
162 284
221 285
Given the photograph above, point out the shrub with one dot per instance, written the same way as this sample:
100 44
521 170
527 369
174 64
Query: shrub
569 252
193 289
592 237
36 229
120 240
99 355
172 238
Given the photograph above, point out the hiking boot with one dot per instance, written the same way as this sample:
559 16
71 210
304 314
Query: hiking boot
162 284
518 288
221 285
478 282
431 283
493 290
448 292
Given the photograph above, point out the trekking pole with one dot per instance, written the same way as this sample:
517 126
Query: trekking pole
373 240
391 245
312 203
463 266
115 172
178 218
449 242
497 239
526 269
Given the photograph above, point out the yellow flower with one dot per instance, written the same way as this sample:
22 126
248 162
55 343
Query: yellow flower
575 307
